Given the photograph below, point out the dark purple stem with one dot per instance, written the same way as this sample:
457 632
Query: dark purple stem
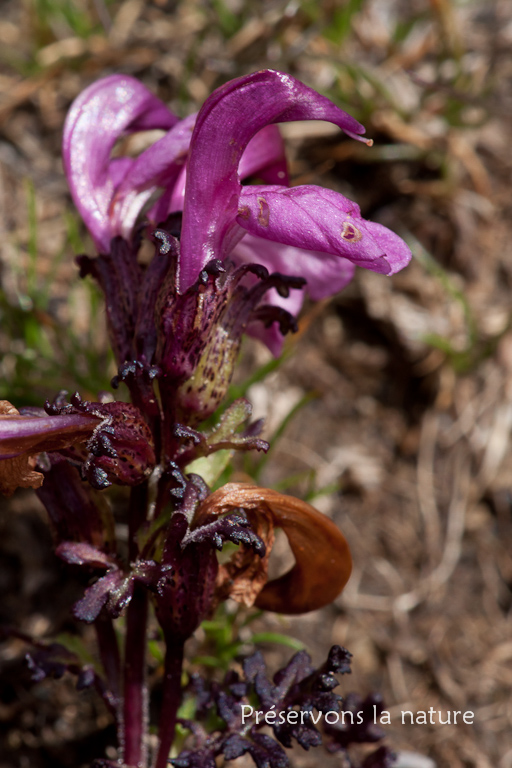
135 692
134 721
136 517
109 654
171 699
169 442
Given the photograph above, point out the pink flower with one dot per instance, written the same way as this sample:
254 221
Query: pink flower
199 163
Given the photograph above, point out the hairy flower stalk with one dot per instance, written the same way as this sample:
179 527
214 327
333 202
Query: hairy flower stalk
229 259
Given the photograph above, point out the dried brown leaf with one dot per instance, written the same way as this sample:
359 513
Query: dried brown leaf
322 557
17 472
243 577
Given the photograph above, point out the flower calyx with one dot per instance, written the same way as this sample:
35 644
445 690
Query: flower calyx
121 448
199 331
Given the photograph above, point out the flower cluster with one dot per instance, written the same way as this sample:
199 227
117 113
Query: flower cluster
198 167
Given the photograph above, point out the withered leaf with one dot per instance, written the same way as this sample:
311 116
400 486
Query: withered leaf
17 472
243 577
322 556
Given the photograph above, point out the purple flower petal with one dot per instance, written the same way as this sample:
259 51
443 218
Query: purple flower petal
158 166
98 117
118 168
270 335
172 199
265 157
321 220
227 122
83 553
88 608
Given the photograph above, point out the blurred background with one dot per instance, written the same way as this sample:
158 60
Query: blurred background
394 413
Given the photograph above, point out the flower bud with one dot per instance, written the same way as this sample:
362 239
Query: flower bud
199 331
121 448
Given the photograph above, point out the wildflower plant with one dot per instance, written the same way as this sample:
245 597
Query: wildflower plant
228 259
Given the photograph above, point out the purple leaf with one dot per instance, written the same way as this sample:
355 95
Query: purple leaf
119 277
235 528
50 661
80 553
324 273
339 660
95 597
234 746
267 753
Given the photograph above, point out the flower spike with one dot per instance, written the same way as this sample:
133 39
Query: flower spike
307 231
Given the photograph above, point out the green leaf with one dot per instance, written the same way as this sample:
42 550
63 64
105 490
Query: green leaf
276 637
75 644
231 420
210 468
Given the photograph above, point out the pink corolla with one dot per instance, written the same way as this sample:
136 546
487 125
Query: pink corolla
198 166
110 192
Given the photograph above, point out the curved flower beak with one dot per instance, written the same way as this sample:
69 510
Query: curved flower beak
100 115
111 192
225 125
263 157
322 557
